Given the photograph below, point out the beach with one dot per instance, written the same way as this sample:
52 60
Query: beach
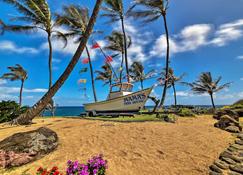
187 147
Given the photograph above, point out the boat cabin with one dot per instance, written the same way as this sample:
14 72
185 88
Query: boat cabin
119 90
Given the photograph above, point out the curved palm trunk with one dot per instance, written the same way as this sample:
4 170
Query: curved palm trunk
91 74
212 100
21 92
174 89
27 117
50 60
167 62
125 48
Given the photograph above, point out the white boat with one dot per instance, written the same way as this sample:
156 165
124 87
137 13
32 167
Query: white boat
121 99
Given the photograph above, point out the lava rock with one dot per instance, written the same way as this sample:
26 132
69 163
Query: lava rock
221 164
215 168
22 148
233 129
238 168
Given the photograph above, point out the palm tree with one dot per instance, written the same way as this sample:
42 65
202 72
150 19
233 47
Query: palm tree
17 73
2 25
31 113
105 75
76 19
172 80
115 11
116 45
137 73
206 84
150 11
37 15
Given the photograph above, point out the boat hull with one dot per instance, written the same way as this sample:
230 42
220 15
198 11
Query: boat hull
128 103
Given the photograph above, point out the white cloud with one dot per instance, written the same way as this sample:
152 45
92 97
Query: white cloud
240 57
241 79
56 60
2 82
10 46
195 36
12 90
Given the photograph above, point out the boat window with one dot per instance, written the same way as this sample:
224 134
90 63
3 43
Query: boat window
126 87
116 88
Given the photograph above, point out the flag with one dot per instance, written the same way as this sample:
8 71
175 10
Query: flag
96 46
83 70
85 61
82 81
108 59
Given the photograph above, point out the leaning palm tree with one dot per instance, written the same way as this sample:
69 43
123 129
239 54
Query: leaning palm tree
137 73
76 19
36 15
172 81
34 111
105 75
206 84
150 11
17 73
115 11
116 44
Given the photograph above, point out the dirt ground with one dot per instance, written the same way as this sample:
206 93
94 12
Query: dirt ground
150 148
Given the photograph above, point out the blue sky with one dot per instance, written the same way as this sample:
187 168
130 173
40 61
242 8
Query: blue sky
205 36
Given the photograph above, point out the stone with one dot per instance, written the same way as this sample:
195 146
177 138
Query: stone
240 136
215 168
22 148
239 142
238 168
214 173
238 147
233 129
233 173
228 160
221 164
228 112
226 153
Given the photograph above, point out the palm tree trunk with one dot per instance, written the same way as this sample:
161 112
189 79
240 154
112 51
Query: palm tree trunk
21 92
167 62
27 117
50 60
212 100
91 74
174 89
141 81
121 71
125 48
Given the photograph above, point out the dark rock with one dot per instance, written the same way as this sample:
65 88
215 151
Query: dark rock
215 168
240 136
239 147
228 112
233 129
228 160
233 173
226 153
239 142
238 168
22 148
214 173
221 164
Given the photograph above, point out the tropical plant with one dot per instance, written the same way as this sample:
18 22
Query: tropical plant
150 11
106 75
137 73
206 84
114 10
37 15
10 110
17 73
27 117
76 19
116 44
172 81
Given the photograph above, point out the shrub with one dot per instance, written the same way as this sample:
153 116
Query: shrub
95 166
9 110
185 112
53 171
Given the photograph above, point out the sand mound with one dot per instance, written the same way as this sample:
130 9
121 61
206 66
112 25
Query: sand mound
150 148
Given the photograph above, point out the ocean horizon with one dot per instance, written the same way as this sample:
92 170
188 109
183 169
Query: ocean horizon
77 110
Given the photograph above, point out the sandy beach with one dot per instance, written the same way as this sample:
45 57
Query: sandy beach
152 148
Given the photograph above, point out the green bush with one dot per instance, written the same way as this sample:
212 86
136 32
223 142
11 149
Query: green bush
185 112
9 110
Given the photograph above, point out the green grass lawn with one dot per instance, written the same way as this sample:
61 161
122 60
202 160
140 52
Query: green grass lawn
137 118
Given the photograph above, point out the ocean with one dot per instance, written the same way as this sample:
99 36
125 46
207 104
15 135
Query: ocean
72 111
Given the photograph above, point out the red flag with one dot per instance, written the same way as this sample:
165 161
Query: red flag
108 59
85 61
96 46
